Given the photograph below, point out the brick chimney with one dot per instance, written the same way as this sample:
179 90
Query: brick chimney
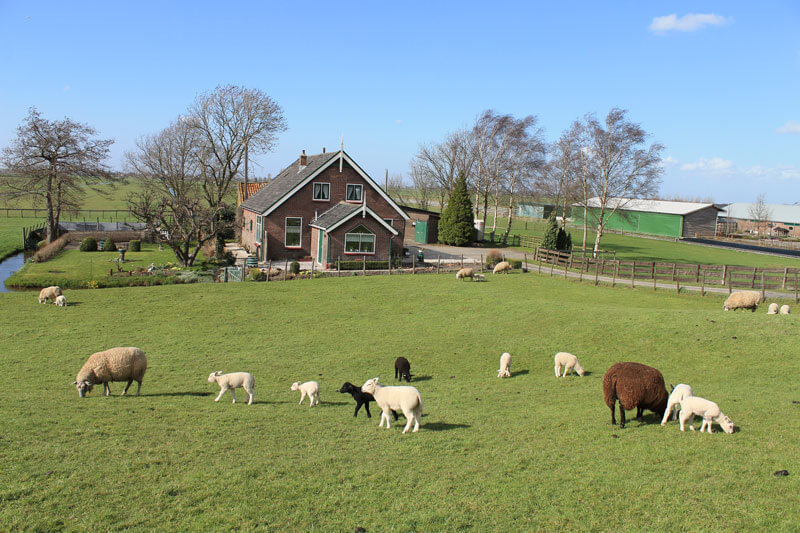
323 149
303 159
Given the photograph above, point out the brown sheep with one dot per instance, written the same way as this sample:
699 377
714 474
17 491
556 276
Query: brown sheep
634 385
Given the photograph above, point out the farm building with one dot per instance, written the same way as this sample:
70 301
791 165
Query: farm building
653 217
423 228
534 210
779 220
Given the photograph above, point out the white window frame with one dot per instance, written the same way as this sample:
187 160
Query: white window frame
374 241
389 221
259 228
347 195
286 233
313 191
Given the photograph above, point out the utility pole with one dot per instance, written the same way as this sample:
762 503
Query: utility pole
246 146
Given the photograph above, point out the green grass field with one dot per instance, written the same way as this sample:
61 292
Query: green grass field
526 453
11 234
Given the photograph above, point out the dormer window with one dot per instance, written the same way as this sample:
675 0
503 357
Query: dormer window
353 192
322 192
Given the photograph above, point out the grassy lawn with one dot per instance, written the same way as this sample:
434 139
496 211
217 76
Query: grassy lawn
526 453
11 234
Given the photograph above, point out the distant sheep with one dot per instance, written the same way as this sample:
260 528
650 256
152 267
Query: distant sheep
406 399
505 366
61 301
634 385
233 381
694 405
742 300
402 369
310 389
772 309
678 394
569 362
502 266
465 273
478 277
49 293
785 309
116 364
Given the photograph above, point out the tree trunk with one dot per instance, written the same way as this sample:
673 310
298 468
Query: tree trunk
510 213
496 201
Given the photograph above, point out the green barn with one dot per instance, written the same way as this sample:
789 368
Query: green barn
652 217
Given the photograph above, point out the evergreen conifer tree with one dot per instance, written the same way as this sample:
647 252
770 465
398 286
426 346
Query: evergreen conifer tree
550 238
455 226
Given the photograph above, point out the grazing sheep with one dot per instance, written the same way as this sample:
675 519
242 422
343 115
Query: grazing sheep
478 277
310 389
694 405
61 301
502 266
742 300
634 385
785 309
406 399
569 362
116 364
361 398
505 366
402 369
49 293
772 309
465 273
678 394
233 381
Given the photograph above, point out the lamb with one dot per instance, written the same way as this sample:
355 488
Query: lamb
115 364
49 293
465 273
505 366
742 300
678 394
310 389
772 309
478 277
502 266
402 369
694 405
233 381
406 399
785 309
361 398
61 301
569 362
634 385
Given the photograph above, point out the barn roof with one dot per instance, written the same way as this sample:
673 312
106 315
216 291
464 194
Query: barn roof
650 206
788 214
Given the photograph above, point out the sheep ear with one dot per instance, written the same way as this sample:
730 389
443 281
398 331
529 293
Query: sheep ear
218 373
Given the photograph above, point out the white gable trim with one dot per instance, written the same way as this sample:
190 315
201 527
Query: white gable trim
342 155
352 215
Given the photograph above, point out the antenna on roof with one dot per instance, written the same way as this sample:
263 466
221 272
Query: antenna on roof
341 154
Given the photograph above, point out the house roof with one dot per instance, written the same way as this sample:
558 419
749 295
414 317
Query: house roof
344 211
252 188
650 206
788 214
285 182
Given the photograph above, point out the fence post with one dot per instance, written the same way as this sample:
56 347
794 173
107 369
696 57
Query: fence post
785 272
413 263
703 285
655 276
481 262
633 274
678 284
364 265
439 262
269 268
525 263
285 269
762 286
674 268
565 269
753 281
462 260
540 264
614 278
596 266
697 277
730 283
339 266
724 274
795 287
580 275
312 267
552 263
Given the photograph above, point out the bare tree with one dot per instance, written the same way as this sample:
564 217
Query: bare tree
397 188
424 187
562 178
527 162
623 167
760 213
54 163
442 162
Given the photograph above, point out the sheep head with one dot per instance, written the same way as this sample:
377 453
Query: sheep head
212 377
726 424
295 386
83 387
579 369
370 386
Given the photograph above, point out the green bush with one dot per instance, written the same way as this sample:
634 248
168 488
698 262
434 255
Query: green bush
371 265
109 246
294 267
516 263
550 237
135 246
256 274
89 244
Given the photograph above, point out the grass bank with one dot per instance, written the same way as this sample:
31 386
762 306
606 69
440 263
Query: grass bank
11 234
526 453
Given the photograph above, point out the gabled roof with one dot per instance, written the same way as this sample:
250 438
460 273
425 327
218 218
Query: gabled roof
777 212
344 211
650 206
292 179
252 188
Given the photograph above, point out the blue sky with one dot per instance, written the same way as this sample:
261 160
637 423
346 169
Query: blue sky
718 83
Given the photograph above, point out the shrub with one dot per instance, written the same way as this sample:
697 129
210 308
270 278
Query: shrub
550 237
49 251
89 244
371 265
294 267
493 258
109 246
256 274
135 246
516 263
41 244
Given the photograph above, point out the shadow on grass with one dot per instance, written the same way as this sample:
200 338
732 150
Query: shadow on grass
443 426
422 378
335 403
180 394
520 373
73 304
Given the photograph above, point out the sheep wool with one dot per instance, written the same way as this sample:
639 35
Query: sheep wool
406 399
785 309
708 410
772 309
502 266
505 366
233 381
310 389
742 300
678 394
116 364
465 273
569 362
49 293
61 301
634 385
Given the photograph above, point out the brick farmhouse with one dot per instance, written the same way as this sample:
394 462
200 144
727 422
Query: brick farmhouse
323 207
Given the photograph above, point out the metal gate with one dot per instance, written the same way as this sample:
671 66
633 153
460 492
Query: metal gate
233 274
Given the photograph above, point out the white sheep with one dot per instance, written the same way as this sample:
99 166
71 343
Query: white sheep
61 301
569 362
233 381
694 405
772 309
785 309
678 394
465 273
502 266
505 366
49 293
405 398
310 389
742 300
478 277
116 364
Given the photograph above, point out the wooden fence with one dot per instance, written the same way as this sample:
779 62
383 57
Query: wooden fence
103 214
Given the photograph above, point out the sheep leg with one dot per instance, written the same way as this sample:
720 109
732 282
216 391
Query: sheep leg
127 386
385 416
621 416
250 400
639 414
302 395
409 419
558 371
138 387
222 390
233 393
667 413
613 417
315 399
106 389
358 406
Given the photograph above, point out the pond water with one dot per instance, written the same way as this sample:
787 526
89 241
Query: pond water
9 266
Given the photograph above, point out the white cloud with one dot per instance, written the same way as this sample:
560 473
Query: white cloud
718 167
714 165
669 161
792 126
688 22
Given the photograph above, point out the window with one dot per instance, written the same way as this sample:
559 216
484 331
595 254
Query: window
294 228
359 240
251 225
259 229
353 192
389 221
322 191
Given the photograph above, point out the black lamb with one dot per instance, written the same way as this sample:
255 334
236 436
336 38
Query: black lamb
361 398
402 369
